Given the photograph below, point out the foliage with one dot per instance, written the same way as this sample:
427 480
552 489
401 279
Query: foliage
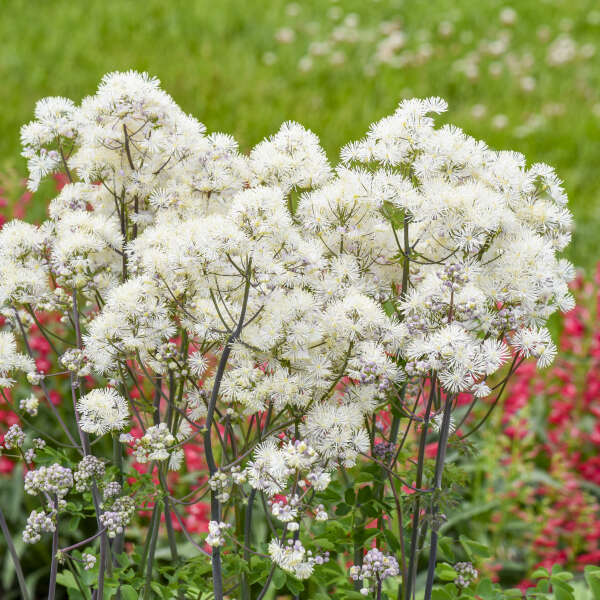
541 507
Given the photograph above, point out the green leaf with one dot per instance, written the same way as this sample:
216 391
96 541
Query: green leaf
562 592
541 572
342 509
485 589
362 477
468 514
391 539
592 577
294 585
128 593
67 579
362 536
349 496
123 559
513 593
559 583
445 548
439 593
325 544
562 576
364 494
445 572
473 548
279 579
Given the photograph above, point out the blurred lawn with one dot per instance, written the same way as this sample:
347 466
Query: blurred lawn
222 62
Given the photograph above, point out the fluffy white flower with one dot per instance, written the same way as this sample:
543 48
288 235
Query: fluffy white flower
102 411
336 431
11 360
292 157
291 557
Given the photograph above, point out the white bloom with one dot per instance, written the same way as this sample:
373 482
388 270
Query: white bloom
292 157
11 360
215 537
336 431
102 411
291 558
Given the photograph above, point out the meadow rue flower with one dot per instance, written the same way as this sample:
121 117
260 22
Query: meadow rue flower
466 574
215 533
117 515
38 522
89 561
88 470
243 288
154 444
292 557
30 405
14 437
111 489
102 411
54 482
376 567
11 360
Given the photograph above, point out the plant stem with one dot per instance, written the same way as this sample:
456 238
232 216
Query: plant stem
267 584
152 550
153 518
14 556
117 545
215 508
412 566
247 531
439 470
85 445
54 563
168 520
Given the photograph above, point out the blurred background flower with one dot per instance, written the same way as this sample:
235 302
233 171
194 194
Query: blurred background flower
531 67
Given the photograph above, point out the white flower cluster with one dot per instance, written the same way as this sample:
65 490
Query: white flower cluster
273 466
89 561
467 574
336 428
10 359
154 444
376 566
76 361
30 405
23 264
118 515
222 482
294 558
111 490
89 469
215 537
38 522
483 232
102 411
14 438
424 254
30 454
54 481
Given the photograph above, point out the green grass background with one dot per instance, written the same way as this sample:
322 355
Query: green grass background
209 56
